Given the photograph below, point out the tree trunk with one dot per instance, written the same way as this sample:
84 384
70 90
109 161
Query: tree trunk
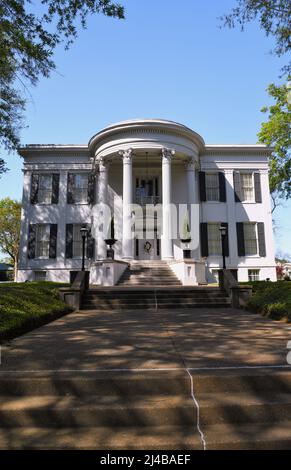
15 269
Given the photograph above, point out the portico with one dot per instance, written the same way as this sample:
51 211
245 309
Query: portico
149 160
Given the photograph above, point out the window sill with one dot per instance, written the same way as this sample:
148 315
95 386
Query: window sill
78 203
43 204
214 202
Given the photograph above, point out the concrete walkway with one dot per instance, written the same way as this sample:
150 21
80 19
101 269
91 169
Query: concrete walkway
198 338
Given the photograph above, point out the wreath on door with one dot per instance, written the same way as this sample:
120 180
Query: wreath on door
147 247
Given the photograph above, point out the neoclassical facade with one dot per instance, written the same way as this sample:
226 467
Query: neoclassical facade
146 183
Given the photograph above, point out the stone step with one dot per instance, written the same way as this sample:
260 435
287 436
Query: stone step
151 273
103 383
230 407
121 411
134 307
175 293
255 436
135 438
147 298
151 299
258 380
101 411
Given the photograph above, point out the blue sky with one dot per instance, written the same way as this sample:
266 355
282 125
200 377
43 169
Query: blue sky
168 59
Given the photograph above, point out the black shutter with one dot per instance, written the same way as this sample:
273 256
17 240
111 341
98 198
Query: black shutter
34 188
258 190
70 188
226 240
261 239
90 246
222 188
69 241
237 186
240 239
202 186
55 188
53 240
31 241
91 188
204 239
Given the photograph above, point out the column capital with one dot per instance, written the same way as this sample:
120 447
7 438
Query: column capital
126 155
168 154
191 164
103 164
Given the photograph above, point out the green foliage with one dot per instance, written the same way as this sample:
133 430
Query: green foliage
276 133
186 228
272 299
273 16
25 306
10 215
27 43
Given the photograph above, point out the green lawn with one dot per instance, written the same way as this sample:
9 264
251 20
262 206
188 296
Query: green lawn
24 306
272 299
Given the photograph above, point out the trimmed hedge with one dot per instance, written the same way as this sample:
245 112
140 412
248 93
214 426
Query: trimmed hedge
272 299
25 306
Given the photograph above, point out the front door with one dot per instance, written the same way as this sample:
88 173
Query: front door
148 250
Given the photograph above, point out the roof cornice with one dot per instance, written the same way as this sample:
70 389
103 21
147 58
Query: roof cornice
145 125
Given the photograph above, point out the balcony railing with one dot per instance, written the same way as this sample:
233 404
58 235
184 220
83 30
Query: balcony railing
145 200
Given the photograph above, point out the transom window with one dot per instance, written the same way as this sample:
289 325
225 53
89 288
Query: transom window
247 186
77 241
214 239
80 188
254 275
45 189
212 186
42 241
250 237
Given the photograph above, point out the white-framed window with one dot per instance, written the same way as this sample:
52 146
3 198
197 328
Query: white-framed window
77 241
254 275
40 276
44 195
214 239
80 188
247 187
42 241
250 238
212 186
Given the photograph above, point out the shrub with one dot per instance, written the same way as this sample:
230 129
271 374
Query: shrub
272 299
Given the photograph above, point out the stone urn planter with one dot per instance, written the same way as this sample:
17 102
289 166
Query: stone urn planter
186 249
110 252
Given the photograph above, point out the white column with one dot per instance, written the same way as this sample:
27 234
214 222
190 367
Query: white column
167 242
233 259
102 206
193 207
127 240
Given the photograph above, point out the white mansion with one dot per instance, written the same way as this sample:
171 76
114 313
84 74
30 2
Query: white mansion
138 182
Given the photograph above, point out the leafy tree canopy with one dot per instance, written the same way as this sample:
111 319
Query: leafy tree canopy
27 43
274 17
10 216
276 133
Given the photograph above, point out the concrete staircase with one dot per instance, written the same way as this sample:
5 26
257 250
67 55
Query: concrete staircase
152 285
149 298
148 410
97 411
149 273
245 410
